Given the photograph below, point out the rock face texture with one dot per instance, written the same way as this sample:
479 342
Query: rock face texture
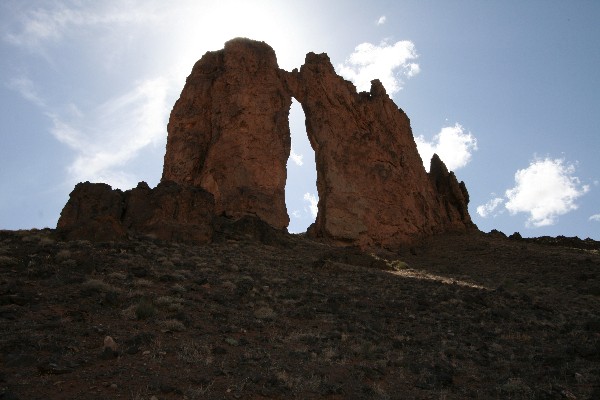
229 132
169 212
93 212
373 189
227 148
452 196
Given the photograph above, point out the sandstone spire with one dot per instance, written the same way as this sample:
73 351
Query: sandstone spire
229 132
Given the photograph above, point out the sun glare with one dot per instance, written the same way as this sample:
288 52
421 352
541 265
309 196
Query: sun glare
202 28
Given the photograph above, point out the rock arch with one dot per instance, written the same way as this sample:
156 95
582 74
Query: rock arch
229 133
229 141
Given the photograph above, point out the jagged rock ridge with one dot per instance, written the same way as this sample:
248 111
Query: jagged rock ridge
169 212
228 135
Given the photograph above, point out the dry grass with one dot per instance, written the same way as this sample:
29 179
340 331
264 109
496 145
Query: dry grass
98 285
193 352
172 325
6 261
470 318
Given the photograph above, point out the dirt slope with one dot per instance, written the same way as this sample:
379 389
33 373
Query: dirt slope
477 316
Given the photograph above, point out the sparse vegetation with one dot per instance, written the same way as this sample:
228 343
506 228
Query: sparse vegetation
6 261
63 255
178 289
170 303
142 283
117 276
398 265
172 325
462 317
193 352
264 313
98 285
145 309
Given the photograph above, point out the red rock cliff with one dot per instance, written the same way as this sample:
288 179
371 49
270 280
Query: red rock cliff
229 132
169 212
227 148
373 189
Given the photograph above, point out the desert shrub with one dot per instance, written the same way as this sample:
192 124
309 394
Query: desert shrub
177 288
145 309
46 241
166 263
69 263
193 352
398 265
142 283
170 303
172 325
7 261
98 286
118 276
63 255
264 313
129 312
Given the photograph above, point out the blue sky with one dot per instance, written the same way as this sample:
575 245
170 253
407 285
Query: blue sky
507 92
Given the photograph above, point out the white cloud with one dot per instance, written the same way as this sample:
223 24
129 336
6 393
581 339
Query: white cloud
546 189
25 87
109 135
412 69
488 208
386 62
40 25
595 217
381 20
296 158
452 144
143 42
312 201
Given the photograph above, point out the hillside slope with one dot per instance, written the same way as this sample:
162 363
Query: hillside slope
460 316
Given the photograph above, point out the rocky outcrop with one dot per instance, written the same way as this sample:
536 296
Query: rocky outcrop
227 148
452 196
229 133
93 212
373 189
168 212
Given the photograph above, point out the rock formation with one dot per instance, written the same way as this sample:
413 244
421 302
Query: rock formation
373 189
452 196
229 132
169 212
228 136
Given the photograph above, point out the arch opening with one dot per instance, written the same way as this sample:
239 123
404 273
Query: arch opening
301 195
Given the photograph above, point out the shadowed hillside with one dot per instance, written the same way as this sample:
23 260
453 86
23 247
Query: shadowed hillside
459 316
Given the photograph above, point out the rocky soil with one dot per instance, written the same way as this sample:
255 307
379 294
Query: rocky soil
475 316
